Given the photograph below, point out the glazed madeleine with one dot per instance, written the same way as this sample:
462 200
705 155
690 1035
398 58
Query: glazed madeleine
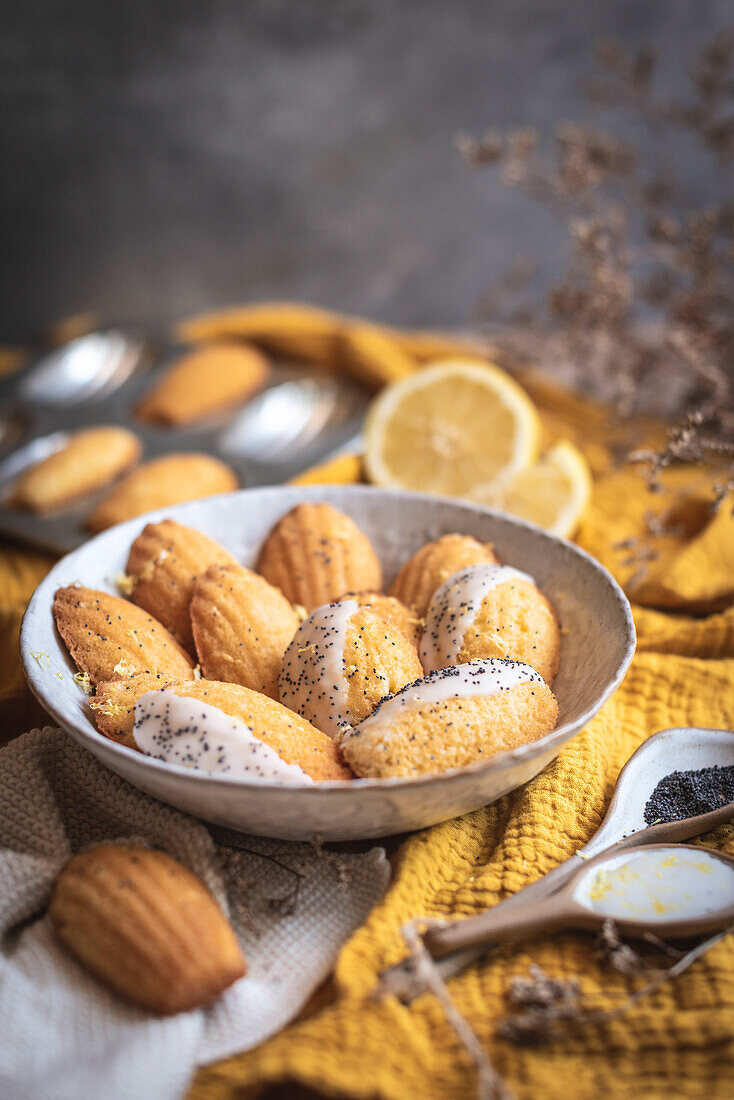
430 566
454 717
291 737
491 611
342 661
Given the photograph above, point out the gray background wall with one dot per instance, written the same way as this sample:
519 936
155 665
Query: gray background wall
162 156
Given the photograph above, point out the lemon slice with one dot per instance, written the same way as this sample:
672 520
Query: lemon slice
453 428
554 492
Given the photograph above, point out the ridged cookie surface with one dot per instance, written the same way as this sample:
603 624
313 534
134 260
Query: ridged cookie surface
112 639
391 611
432 565
162 481
242 627
88 461
164 561
487 611
342 661
315 554
294 739
454 717
146 927
207 380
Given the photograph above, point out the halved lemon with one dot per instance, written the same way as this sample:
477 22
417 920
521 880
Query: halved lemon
552 493
455 428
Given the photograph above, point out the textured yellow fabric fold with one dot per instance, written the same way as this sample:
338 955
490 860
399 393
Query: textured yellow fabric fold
679 1043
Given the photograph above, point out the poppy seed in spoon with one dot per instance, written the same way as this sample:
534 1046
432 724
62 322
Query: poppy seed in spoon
688 794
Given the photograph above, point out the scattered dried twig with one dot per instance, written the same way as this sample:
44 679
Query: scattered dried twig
612 949
283 904
490 1085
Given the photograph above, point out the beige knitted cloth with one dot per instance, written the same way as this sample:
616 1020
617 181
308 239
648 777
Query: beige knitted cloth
62 1036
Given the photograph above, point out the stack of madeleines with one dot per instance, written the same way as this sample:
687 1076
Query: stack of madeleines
304 669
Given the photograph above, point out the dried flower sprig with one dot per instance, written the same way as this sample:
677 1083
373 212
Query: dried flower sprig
541 1005
647 301
335 862
549 1008
255 893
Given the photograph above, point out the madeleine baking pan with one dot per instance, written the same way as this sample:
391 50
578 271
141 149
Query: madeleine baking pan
297 419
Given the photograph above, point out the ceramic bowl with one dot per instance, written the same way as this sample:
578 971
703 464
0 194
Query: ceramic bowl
598 641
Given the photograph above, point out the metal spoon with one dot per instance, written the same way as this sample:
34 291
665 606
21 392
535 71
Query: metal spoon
680 749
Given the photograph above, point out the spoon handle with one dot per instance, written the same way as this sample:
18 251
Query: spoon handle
478 932
498 925
402 982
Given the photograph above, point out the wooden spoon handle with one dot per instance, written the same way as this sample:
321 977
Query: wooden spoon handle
498 925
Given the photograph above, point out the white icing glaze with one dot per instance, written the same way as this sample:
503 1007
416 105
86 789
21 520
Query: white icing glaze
455 682
312 679
454 608
186 731
665 884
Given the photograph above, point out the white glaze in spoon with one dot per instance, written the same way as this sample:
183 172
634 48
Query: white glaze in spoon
674 883
673 889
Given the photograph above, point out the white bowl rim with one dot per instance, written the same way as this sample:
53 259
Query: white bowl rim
499 762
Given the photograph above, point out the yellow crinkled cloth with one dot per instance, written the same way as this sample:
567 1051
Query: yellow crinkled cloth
680 1041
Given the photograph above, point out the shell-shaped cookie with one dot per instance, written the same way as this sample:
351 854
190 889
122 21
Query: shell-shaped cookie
491 611
242 627
342 661
430 566
208 379
161 482
89 460
294 739
315 554
391 611
112 639
454 717
164 561
146 927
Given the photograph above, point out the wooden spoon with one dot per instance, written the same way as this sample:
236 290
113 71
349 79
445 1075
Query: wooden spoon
681 749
